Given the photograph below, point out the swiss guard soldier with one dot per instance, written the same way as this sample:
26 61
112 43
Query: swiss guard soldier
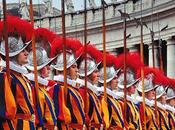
115 111
132 121
45 112
16 108
149 89
170 106
162 116
69 105
93 106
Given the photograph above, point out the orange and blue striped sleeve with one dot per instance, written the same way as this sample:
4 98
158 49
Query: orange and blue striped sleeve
7 101
115 113
76 106
56 92
105 112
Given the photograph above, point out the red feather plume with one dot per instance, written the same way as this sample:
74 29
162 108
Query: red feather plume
172 83
44 34
1 29
133 61
158 76
56 46
71 44
44 38
94 53
79 52
17 27
110 59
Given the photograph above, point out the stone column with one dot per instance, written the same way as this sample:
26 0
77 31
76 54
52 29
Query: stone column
156 55
171 58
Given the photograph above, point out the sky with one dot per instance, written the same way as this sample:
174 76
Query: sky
57 3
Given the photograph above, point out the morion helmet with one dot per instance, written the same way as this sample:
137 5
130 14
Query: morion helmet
94 58
19 35
170 90
148 84
170 93
133 64
111 73
72 45
153 78
160 90
44 38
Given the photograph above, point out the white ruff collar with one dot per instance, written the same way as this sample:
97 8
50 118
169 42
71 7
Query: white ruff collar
120 95
170 108
108 91
161 106
147 101
41 80
60 78
93 88
14 67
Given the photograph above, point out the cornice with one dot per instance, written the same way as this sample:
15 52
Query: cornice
164 10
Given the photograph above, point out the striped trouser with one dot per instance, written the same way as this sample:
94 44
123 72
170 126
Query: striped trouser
6 125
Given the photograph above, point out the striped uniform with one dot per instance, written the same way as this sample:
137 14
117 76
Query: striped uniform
150 117
132 120
93 108
162 117
22 93
105 112
70 113
8 106
62 112
25 108
115 114
45 111
171 120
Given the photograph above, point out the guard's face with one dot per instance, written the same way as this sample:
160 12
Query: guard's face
45 71
22 57
114 83
150 95
172 102
94 77
163 98
73 71
132 89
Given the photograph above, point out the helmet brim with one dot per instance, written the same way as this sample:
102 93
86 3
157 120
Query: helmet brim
12 54
164 92
121 86
89 72
40 66
169 98
62 67
139 89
